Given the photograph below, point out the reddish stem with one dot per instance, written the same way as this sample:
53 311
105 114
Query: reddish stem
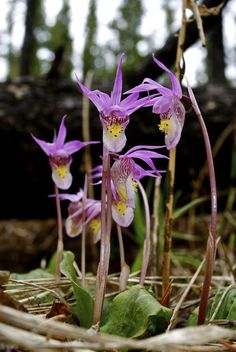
103 266
211 244
147 241
60 245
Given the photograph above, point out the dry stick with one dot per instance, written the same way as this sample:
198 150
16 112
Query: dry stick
168 341
171 170
186 291
211 244
88 157
181 39
86 131
103 266
154 231
147 241
60 245
168 222
184 295
198 19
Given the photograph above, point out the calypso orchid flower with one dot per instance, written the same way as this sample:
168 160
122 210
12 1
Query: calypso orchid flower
125 173
75 220
167 103
59 154
114 112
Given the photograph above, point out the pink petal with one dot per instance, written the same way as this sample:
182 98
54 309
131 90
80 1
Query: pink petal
117 88
176 87
60 139
46 147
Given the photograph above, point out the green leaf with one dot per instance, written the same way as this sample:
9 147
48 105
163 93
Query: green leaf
181 211
185 259
51 268
226 297
135 312
84 299
33 274
136 266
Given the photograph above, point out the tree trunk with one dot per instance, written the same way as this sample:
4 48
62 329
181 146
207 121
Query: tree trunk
29 38
216 55
167 54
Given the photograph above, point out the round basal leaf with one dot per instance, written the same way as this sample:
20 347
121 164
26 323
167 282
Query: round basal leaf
135 312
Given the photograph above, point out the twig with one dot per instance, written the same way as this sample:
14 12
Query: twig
194 8
184 295
171 167
168 222
86 131
18 322
155 228
88 156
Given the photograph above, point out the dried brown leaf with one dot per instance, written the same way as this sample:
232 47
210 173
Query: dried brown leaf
58 308
7 300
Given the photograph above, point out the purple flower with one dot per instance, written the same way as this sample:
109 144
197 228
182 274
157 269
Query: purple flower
59 154
167 103
114 113
74 222
125 173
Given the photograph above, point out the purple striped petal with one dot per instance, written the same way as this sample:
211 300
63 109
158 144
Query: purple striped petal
138 147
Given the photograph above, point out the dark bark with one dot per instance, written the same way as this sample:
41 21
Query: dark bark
216 55
29 38
36 106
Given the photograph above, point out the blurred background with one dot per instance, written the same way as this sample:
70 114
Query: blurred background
92 34
44 43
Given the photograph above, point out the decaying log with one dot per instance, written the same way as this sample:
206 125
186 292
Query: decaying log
37 105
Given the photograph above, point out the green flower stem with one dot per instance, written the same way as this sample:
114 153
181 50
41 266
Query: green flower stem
124 267
121 245
60 245
147 241
103 266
